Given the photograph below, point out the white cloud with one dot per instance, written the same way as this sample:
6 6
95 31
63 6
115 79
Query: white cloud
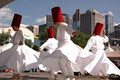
24 25
5 15
116 24
41 20
2 25
109 13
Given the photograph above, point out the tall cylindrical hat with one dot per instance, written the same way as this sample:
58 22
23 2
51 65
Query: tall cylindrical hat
16 20
98 29
57 14
50 32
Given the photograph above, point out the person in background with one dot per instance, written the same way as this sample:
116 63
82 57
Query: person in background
46 50
19 57
100 65
51 44
48 47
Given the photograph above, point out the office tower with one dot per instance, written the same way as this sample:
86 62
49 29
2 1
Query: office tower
89 20
76 19
109 26
109 23
116 38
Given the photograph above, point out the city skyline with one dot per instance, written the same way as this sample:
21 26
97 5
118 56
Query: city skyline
34 11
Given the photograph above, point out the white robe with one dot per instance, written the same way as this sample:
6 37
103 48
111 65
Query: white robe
66 49
5 47
101 64
18 58
51 44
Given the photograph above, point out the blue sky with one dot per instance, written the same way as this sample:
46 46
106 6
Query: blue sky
34 11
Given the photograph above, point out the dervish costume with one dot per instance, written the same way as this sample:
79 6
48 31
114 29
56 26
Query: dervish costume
67 52
51 44
100 65
18 57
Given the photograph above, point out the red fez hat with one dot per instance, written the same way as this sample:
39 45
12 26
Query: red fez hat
50 32
98 28
57 14
16 20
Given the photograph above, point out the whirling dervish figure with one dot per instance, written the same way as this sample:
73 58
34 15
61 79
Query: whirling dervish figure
19 57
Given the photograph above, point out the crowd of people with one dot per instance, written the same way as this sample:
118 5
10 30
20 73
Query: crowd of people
59 54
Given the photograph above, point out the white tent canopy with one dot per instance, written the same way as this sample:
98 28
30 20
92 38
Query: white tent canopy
5 2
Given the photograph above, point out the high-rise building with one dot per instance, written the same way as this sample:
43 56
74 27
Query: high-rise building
109 26
89 20
116 34
76 19
109 23
49 21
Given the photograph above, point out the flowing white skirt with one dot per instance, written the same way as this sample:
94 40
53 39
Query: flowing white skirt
19 57
101 65
5 47
50 62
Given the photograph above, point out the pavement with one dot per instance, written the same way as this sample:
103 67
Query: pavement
45 76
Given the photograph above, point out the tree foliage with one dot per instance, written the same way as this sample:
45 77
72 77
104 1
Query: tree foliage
31 45
81 39
4 38
43 35
28 42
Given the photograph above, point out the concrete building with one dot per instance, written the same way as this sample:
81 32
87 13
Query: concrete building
89 20
76 19
109 22
109 26
116 38
34 29
49 21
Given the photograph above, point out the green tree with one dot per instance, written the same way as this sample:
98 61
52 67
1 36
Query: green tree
81 39
43 35
28 42
4 38
31 45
